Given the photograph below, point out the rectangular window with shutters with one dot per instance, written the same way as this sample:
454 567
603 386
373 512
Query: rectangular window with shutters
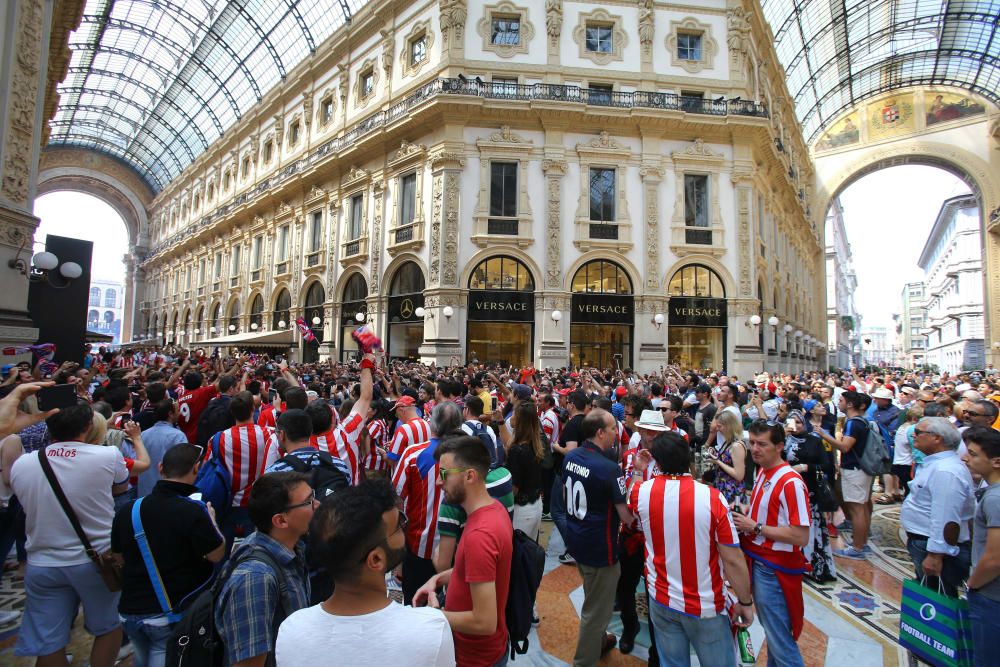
201 272
503 189
354 224
696 208
218 265
602 194
257 253
407 199
316 231
234 274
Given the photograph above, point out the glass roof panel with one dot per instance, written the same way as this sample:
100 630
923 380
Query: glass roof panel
156 81
836 54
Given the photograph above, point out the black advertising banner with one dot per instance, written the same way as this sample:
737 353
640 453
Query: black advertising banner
603 309
404 308
349 312
501 306
697 312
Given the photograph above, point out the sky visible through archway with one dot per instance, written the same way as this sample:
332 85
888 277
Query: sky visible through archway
888 215
82 216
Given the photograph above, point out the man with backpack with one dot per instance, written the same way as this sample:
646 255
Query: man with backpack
216 415
359 535
181 543
328 474
267 579
478 585
473 426
855 483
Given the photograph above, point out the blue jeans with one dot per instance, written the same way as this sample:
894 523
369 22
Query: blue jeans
149 634
769 602
557 505
676 633
984 619
954 569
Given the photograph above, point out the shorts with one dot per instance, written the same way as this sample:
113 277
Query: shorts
53 597
855 486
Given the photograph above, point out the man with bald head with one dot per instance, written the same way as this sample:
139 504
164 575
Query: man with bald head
595 501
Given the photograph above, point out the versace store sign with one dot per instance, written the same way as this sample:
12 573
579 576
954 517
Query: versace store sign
603 308
697 312
501 306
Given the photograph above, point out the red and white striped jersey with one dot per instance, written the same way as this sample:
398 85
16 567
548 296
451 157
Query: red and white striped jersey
119 419
246 451
123 362
622 436
343 442
779 498
376 438
627 464
684 522
414 432
550 425
421 498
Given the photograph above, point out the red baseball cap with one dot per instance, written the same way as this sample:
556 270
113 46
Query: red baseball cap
621 391
404 402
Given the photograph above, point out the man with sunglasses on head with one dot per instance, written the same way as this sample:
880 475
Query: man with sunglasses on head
250 606
360 536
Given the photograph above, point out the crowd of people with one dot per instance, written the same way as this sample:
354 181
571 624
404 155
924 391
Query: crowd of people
291 505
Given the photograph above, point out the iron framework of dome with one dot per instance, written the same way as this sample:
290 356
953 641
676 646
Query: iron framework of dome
156 82
839 52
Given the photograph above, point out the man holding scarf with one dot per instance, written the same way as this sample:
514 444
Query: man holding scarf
774 529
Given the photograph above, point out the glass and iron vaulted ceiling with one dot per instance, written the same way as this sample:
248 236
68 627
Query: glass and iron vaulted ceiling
838 52
155 82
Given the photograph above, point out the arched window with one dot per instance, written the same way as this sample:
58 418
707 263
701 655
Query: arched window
282 310
95 296
199 317
110 298
502 273
409 279
257 312
93 317
353 302
696 280
233 325
214 323
601 277
109 317
355 290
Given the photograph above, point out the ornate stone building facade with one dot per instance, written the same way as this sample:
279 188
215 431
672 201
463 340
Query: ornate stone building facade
605 183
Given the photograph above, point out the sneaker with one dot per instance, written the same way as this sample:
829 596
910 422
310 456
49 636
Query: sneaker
566 559
845 525
9 617
535 621
391 583
850 552
546 517
868 549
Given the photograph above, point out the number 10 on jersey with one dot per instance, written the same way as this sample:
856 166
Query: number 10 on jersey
576 498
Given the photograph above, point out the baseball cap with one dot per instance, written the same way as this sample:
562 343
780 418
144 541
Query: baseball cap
404 402
521 391
621 391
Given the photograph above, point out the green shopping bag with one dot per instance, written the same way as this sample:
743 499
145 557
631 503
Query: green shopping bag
935 627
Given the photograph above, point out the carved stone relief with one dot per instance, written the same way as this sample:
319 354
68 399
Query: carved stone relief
554 171
449 260
17 165
743 224
452 19
553 21
437 194
651 177
378 189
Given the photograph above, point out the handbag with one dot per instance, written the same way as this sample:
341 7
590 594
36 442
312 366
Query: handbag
934 627
826 499
108 564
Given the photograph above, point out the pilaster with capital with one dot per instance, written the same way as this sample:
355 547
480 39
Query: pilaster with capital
651 177
554 170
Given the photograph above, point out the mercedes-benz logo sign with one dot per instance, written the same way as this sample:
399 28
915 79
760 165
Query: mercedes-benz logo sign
406 309
928 611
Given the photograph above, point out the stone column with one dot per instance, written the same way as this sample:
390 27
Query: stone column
24 49
746 358
442 335
553 350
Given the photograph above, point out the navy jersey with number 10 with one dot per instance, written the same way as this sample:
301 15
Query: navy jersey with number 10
593 485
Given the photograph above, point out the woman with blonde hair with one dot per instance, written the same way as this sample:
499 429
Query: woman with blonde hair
129 443
524 461
728 456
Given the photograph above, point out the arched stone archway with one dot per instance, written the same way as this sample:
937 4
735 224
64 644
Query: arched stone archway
118 185
983 179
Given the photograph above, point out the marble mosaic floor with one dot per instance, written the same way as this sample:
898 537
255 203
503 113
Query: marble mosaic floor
852 621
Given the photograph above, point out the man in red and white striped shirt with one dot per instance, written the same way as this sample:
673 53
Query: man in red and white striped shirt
415 481
775 528
691 550
412 430
246 451
374 461
344 440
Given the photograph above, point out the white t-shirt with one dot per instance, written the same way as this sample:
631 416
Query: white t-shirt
902 455
86 474
393 636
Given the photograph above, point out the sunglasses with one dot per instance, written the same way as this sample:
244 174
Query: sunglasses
975 414
665 409
918 431
447 471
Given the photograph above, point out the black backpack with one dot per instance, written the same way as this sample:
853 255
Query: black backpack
326 478
214 418
527 566
195 641
496 450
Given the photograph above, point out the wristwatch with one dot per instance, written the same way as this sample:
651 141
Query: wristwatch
758 529
745 604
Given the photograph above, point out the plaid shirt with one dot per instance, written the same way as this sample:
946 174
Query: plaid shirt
247 615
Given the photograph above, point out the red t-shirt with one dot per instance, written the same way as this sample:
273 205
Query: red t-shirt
190 405
484 554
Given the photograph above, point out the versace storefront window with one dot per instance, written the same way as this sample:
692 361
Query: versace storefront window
603 315
352 303
406 328
696 331
501 327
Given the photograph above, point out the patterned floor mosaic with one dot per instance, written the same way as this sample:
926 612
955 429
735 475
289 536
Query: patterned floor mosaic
852 621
